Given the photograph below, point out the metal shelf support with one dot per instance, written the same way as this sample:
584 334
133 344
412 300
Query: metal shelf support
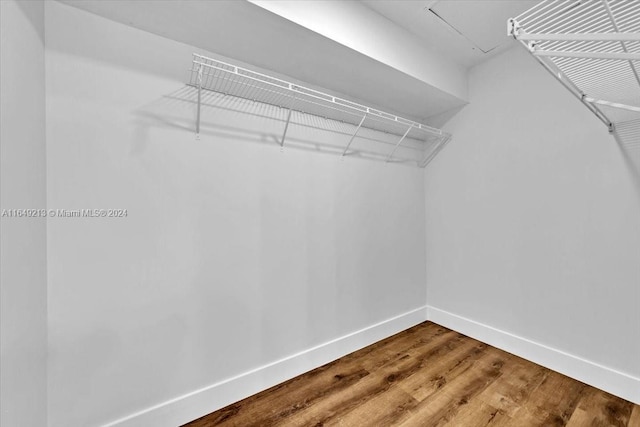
286 127
346 149
398 144
199 102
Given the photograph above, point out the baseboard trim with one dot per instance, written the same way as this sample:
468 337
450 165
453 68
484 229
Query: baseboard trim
215 396
602 377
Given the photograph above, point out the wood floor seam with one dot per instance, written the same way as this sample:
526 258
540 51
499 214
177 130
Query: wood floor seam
428 376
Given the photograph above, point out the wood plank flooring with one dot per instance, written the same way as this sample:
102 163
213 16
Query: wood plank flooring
428 376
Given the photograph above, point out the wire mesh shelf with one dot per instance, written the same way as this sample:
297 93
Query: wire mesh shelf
593 48
369 132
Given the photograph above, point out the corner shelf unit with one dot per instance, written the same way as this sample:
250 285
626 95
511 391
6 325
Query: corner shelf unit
369 132
593 48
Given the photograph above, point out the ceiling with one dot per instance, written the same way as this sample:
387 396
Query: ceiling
466 31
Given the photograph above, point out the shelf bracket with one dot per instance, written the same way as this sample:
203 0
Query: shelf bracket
286 127
344 153
398 144
199 101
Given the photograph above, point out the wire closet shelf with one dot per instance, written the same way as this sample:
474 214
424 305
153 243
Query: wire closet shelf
369 132
593 48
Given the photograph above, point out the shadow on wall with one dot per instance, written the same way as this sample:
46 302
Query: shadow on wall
229 117
627 136
37 20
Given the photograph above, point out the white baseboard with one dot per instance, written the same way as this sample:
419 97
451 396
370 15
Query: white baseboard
206 400
211 398
602 377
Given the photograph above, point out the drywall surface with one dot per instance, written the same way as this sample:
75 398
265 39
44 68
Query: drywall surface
533 220
232 254
355 25
23 275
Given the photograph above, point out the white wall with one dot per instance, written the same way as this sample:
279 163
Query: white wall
233 255
533 228
23 291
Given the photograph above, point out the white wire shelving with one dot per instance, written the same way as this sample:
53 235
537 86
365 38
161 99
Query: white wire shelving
368 132
593 48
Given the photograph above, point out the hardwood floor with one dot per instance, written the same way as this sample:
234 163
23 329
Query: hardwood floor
428 376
